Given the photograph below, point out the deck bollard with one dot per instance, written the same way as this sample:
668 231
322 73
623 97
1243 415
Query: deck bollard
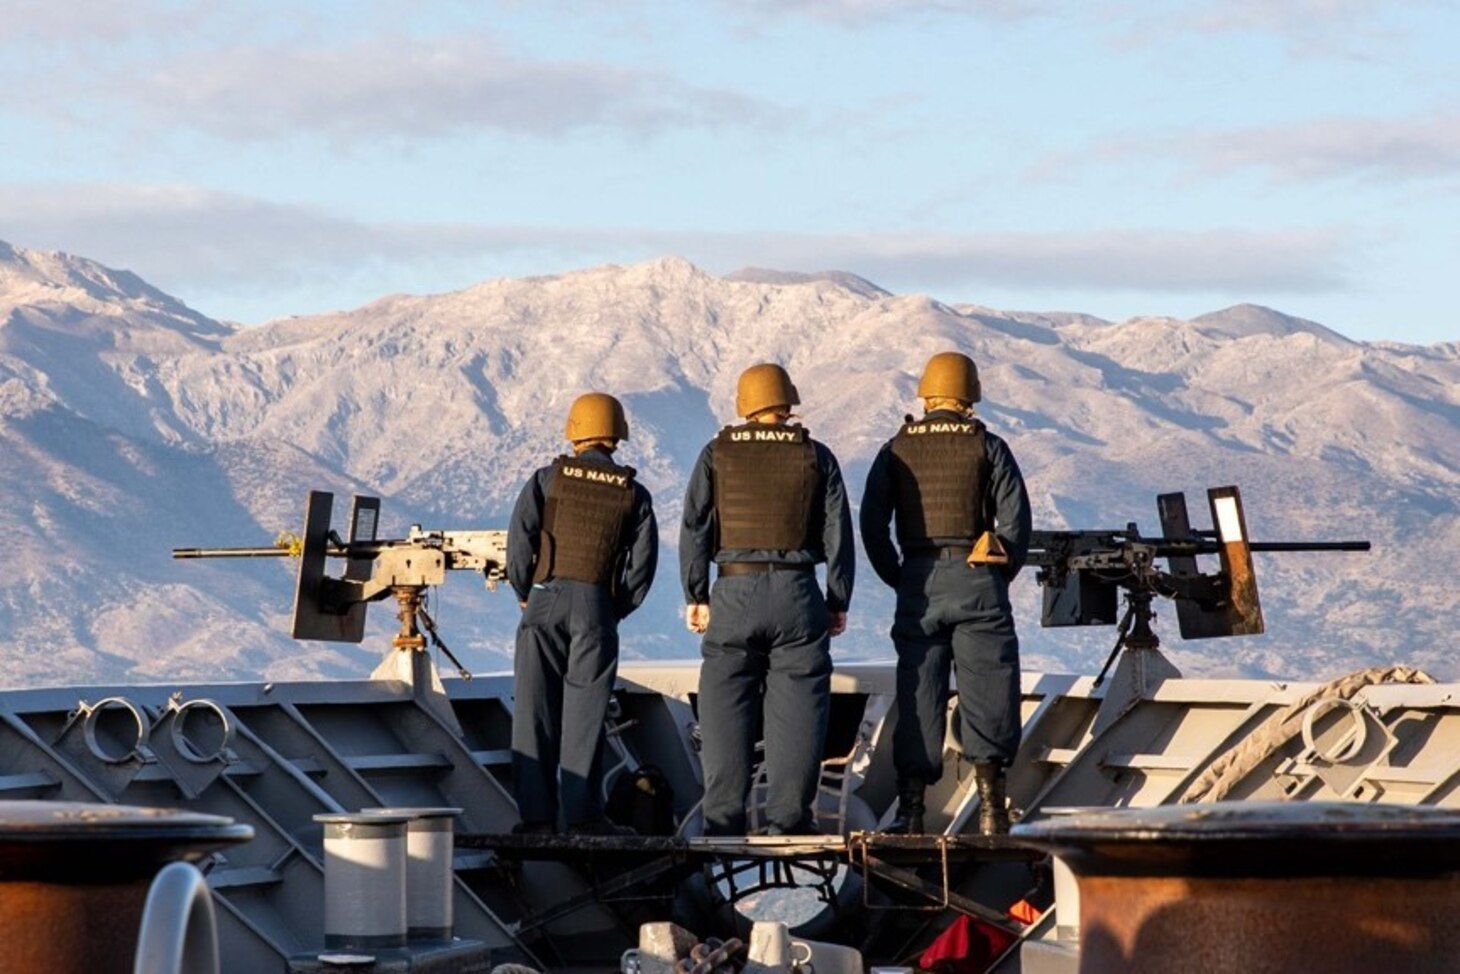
1262 887
74 878
430 848
364 880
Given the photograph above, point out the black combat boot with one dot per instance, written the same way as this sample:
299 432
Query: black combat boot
910 808
993 813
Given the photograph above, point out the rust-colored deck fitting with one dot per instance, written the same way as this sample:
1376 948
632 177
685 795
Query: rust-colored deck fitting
1262 886
74 879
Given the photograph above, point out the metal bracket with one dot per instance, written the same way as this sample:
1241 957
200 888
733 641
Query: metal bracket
943 896
869 866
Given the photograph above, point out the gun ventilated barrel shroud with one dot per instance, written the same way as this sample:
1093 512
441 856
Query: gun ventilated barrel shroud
1048 547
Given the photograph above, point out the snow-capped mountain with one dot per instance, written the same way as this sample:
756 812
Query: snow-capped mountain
131 424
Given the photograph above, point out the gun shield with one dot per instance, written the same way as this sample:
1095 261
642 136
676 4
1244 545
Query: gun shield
316 614
1237 613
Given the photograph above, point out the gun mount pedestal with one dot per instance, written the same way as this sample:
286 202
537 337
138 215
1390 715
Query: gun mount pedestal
411 599
1135 631
1142 666
408 661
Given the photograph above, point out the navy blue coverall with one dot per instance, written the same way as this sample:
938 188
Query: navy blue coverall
950 612
766 673
567 658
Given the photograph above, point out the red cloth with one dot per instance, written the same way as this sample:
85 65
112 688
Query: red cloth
968 946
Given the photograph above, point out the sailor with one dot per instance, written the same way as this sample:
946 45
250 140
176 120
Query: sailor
581 551
963 527
766 503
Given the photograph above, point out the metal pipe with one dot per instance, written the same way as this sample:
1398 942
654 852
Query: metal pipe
179 933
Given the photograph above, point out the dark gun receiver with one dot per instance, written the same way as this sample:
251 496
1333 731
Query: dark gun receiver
333 608
1081 573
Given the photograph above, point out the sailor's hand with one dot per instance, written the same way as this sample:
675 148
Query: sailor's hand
838 623
522 606
697 618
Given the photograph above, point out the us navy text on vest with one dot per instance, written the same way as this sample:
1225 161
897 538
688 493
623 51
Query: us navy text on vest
613 477
941 426
743 435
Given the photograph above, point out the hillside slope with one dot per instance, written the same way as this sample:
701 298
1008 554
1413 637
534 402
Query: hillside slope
131 424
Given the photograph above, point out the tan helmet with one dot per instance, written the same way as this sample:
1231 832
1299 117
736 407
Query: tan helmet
762 387
950 375
597 416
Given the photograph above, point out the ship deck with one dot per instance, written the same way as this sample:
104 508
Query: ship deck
274 755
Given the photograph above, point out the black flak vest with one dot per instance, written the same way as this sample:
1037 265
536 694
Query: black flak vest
585 521
941 473
766 479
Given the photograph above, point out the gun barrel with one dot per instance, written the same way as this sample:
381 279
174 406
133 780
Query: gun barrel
1048 547
1310 546
270 552
1166 547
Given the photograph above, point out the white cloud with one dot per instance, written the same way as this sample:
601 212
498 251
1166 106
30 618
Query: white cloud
216 239
1349 147
1290 16
408 87
183 66
1296 261
184 237
81 22
861 11
1308 28
1334 147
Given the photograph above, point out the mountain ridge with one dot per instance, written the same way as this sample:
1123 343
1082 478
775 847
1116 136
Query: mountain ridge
443 404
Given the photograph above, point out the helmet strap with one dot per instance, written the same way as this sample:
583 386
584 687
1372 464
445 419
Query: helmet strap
935 403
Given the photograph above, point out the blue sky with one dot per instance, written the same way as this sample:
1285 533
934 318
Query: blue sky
1118 157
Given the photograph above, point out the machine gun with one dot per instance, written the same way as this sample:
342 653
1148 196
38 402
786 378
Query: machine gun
333 608
1082 571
